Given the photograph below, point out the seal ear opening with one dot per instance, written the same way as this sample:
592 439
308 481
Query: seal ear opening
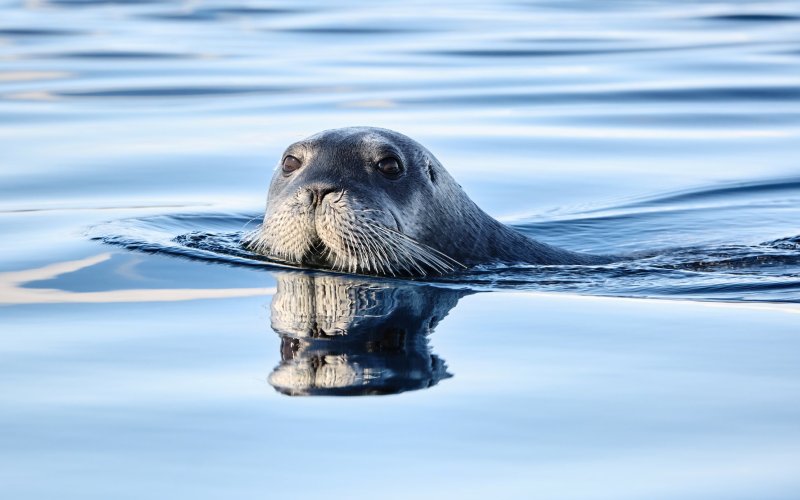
431 174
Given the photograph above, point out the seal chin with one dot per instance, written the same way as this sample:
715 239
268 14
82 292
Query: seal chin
317 254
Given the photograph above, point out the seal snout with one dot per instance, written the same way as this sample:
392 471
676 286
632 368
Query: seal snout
314 195
318 193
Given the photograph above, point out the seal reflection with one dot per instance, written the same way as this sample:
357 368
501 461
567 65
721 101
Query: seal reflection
346 336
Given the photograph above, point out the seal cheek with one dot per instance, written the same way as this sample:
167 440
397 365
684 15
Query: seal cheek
397 225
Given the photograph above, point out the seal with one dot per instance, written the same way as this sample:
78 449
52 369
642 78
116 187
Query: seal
372 201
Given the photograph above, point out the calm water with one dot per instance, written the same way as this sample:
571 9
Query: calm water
144 355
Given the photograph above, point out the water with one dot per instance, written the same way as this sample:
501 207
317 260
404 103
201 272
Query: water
144 354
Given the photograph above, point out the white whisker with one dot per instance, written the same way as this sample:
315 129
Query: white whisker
345 239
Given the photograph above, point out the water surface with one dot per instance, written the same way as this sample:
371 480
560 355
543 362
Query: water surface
145 355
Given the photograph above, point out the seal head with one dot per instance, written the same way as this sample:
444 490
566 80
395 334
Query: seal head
372 201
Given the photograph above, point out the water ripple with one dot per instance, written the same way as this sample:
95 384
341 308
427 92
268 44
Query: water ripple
117 54
37 32
198 91
776 93
215 14
754 18
714 270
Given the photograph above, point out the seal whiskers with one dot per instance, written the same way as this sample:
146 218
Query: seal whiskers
348 240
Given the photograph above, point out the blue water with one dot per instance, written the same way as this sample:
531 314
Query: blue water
144 354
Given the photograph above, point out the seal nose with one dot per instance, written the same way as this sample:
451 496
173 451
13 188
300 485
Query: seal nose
318 193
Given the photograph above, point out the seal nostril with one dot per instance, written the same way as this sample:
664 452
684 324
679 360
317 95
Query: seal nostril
318 193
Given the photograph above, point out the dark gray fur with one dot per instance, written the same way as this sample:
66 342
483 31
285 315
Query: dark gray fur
425 204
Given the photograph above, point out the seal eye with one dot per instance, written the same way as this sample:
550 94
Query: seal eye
390 167
290 164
